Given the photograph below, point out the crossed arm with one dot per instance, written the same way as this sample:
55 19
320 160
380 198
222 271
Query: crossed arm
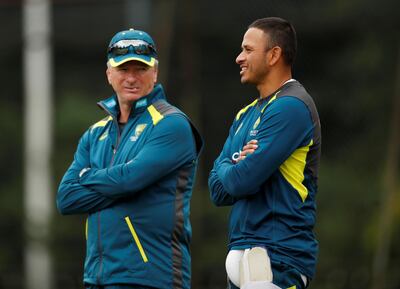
170 145
285 125
73 197
218 194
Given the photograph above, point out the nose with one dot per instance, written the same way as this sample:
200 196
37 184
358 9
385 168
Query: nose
240 58
131 77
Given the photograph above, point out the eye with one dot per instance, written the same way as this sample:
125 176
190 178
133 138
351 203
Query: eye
142 68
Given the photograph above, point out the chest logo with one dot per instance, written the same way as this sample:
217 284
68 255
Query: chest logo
254 131
138 131
235 157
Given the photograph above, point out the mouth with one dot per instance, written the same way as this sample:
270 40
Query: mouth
132 89
243 69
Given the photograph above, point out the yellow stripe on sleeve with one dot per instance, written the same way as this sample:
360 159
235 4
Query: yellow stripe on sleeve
293 170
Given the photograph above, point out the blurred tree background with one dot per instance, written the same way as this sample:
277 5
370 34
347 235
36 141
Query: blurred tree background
348 59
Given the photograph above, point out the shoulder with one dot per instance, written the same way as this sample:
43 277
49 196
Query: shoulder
167 117
296 90
287 103
101 123
172 121
289 107
96 130
159 110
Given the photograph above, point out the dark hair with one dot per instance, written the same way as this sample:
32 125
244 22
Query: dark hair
281 33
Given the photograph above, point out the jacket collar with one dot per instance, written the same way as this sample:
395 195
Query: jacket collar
111 106
269 98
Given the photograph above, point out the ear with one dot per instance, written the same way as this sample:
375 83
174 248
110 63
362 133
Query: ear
275 54
108 73
155 74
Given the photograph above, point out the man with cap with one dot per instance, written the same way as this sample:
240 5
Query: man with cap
133 175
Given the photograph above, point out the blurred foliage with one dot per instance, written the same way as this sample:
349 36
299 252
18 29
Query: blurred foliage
346 59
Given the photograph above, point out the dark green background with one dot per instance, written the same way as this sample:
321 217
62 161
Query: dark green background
348 60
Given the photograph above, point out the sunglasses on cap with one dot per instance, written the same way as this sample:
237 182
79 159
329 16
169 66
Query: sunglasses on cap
135 46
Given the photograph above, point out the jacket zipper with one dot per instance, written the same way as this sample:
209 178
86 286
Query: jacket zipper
98 214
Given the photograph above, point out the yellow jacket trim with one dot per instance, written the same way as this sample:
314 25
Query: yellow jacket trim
243 110
102 122
136 238
269 101
155 115
293 170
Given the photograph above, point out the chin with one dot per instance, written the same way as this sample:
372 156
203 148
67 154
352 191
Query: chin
137 97
132 98
244 80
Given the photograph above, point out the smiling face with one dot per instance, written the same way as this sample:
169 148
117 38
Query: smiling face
131 80
253 60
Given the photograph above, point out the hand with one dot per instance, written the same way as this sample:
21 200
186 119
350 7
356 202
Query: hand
248 149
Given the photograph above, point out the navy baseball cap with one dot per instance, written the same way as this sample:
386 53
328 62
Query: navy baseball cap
131 45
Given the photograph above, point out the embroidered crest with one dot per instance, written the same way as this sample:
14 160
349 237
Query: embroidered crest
138 131
254 131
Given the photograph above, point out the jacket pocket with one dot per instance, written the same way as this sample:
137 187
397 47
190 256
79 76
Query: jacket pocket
136 238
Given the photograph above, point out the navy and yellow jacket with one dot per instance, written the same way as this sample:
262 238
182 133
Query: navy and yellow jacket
272 191
136 194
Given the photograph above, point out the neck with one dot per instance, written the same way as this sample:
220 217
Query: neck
273 81
125 110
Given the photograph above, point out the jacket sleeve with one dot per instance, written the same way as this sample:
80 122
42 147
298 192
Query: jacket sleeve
219 196
286 125
170 146
72 197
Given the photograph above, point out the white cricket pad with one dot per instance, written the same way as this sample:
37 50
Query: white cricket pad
255 265
232 266
250 266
